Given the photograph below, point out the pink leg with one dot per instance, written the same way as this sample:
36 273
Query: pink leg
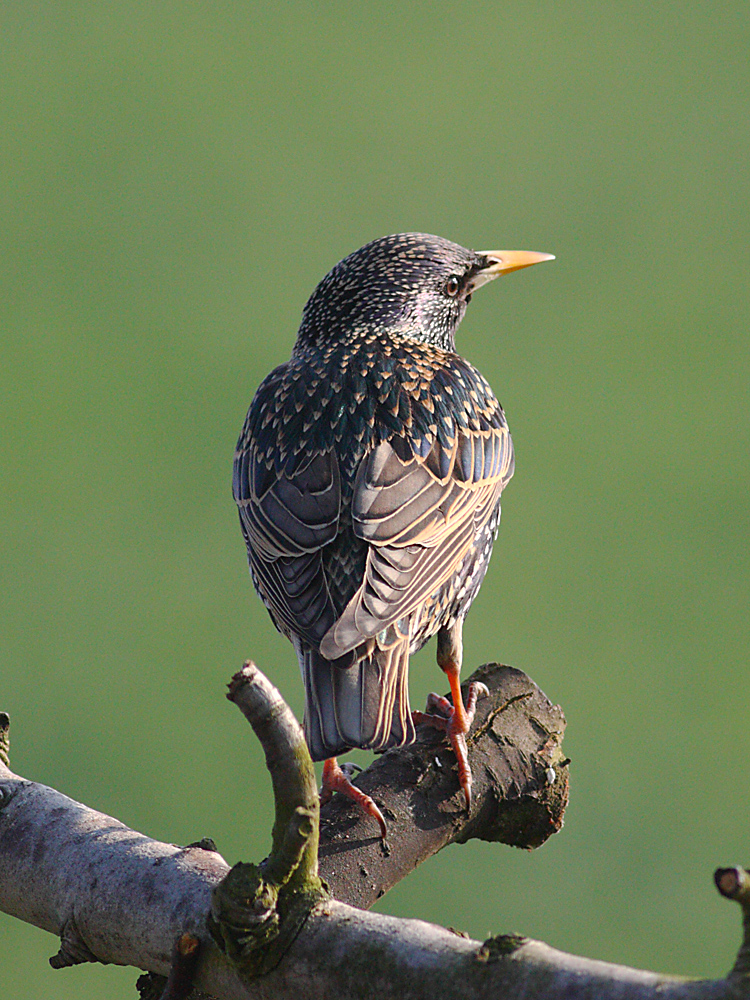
335 780
455 720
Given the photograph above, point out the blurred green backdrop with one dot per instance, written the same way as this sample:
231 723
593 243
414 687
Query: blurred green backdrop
175 180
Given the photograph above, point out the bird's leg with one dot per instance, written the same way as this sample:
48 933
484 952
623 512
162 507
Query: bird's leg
337 779
456 719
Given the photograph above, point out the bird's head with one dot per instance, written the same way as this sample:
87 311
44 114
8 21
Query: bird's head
410 284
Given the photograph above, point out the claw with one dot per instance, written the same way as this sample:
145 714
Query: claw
481 689
350 769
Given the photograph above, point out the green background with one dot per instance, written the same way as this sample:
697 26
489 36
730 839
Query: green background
176 177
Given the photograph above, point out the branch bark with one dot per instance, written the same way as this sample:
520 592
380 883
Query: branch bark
114 895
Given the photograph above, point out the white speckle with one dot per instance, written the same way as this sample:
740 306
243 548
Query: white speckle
550 775
437 762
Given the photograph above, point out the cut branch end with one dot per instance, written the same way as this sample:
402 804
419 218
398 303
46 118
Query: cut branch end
5 739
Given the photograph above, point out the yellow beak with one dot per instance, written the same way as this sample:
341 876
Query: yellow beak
505 261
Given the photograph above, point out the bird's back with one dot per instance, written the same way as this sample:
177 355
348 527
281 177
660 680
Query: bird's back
368 476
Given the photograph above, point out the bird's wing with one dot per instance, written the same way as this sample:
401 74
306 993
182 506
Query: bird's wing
420 516
287 516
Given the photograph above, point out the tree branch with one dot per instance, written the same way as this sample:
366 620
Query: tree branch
258 910
116 896
519 791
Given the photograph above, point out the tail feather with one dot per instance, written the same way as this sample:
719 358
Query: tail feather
362 705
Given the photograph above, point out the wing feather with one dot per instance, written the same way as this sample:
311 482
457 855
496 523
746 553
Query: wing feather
419 521
288 517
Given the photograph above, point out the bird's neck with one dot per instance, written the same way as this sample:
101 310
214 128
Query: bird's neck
321 339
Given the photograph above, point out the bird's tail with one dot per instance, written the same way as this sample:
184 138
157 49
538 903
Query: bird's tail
365 704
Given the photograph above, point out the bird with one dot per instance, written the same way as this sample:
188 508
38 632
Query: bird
368 476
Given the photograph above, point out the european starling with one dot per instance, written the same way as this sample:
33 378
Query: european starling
368 477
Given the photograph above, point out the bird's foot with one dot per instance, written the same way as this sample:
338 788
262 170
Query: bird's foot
337 778
455 722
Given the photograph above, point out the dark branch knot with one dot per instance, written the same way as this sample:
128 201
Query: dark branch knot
498 947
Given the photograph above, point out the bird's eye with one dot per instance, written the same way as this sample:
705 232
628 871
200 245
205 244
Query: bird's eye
452 286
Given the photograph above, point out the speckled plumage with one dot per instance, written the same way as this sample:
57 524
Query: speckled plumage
368 477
